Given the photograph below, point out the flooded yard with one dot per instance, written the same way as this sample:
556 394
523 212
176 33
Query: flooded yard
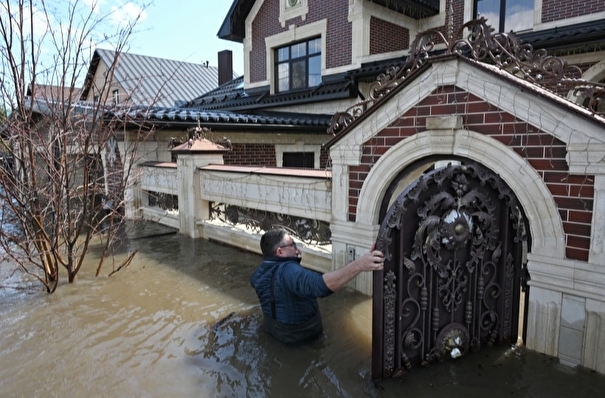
183 321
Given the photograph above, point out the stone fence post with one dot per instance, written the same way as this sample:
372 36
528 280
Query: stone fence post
190 156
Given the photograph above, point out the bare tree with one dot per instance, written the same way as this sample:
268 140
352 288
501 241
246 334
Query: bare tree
58 195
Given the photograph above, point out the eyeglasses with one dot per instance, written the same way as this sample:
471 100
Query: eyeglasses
293 244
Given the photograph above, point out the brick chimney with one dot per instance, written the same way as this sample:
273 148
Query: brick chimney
225 66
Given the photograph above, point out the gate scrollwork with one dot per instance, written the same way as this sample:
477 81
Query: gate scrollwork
451 242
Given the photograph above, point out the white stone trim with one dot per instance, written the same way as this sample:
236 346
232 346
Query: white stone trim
537 13
299 10
597 241
568 276
298 196
544 321
594 339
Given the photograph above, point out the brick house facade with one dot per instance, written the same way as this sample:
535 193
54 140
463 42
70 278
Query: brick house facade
543 142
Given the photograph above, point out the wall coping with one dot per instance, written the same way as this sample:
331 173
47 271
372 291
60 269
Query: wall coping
291 172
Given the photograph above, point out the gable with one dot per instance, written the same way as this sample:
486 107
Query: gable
537 140
570 123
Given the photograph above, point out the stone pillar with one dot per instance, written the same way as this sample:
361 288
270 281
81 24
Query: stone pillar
571 334
190 156
597 241
544 314
594 341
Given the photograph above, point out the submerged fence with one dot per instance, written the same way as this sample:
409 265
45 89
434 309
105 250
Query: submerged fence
252 198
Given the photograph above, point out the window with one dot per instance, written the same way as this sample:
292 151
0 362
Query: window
507 15
299 154
298 65
299 159
116 96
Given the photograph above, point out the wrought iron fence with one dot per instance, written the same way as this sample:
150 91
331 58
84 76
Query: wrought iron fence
164 201
309 231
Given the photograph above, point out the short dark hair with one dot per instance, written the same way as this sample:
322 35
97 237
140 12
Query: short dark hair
270 241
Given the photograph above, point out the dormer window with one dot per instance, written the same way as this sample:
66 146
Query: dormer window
298 66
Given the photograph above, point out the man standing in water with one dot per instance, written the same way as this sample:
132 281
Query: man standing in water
288 292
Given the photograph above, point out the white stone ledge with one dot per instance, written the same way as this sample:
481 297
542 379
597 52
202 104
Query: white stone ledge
567 276
160 216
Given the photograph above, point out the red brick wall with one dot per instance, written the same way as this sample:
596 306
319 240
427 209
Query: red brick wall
338 41
324 158
556 10
457 16
386 37
263 155
573 194
251 155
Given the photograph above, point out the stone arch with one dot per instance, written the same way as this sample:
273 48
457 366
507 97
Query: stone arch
545 225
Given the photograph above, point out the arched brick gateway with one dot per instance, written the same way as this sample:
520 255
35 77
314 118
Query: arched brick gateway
548 150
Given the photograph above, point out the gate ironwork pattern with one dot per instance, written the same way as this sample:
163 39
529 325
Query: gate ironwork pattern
454 252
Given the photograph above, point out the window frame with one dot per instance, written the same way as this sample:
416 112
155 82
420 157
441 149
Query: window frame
502 16
295 34
292 62
298 147
306 158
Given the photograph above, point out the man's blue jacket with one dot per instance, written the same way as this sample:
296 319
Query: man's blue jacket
295 289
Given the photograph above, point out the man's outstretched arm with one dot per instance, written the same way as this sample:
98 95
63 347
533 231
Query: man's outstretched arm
371 261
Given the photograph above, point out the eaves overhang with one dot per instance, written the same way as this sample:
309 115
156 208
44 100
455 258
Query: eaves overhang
574 37
234 98
185 118
233 27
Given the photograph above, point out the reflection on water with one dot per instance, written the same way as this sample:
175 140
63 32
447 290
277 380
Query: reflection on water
182 321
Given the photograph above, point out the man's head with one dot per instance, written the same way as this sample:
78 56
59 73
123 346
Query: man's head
277 242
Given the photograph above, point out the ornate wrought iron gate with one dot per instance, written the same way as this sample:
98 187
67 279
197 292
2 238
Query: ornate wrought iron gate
454 243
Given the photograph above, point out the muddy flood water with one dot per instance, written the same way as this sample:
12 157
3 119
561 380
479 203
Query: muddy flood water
183 321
